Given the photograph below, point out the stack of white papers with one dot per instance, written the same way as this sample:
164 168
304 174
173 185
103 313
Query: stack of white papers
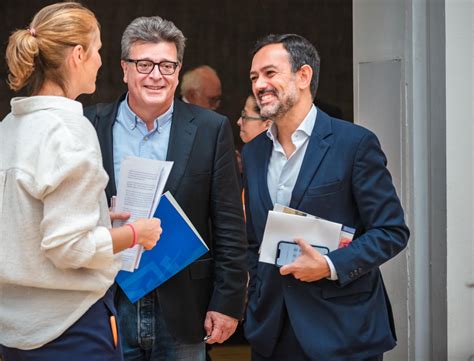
140 187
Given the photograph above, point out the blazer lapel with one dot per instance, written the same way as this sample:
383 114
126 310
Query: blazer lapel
315 152
105 122
263 154
182 135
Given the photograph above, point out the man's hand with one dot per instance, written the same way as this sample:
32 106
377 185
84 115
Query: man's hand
219 327
310 266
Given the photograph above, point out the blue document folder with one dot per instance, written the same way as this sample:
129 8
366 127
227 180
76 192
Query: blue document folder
179 245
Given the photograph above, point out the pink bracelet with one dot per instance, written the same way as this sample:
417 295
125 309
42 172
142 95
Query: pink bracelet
135 237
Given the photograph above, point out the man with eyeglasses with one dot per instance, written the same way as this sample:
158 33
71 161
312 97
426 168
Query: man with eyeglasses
205 300
202 86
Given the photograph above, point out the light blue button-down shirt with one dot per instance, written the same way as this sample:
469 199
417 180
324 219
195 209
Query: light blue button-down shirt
283 172
132 137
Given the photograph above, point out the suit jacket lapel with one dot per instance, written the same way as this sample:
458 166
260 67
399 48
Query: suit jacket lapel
182 135
315 152
263 154
104 125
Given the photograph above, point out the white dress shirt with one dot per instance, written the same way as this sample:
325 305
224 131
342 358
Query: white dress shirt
283 172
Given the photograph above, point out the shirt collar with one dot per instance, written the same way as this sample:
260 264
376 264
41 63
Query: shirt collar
306 125
132 119
23 105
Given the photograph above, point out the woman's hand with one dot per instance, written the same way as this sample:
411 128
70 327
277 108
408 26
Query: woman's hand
148 231
119 216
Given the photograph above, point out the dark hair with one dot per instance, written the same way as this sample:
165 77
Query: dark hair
255 106
300 50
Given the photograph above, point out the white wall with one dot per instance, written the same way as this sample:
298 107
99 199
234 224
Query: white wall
460 176
430 148
379 104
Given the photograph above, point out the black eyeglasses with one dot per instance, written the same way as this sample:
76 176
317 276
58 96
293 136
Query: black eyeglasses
244 116
146 66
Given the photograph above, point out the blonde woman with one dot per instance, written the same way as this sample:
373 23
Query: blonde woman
57 246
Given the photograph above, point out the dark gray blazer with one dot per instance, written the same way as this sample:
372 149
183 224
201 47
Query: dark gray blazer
204 180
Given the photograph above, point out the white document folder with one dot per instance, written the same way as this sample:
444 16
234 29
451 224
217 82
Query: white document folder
286 227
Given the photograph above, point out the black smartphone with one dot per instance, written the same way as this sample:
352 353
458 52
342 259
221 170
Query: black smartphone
287 252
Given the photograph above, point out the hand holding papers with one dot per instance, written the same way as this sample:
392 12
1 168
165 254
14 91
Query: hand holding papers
284 223
140 186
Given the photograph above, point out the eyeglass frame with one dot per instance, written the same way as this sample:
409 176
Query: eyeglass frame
136 61
244 116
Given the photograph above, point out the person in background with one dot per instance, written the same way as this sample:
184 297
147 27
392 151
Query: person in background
205 300
202 86
332 307
57 254
251 124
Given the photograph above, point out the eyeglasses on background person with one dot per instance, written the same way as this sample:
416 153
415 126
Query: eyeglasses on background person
245 116
251 123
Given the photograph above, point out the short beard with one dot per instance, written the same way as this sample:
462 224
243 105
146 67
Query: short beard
279 110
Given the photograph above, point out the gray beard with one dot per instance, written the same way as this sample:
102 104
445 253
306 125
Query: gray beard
279 111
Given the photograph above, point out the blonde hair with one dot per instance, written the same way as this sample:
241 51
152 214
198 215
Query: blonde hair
37 54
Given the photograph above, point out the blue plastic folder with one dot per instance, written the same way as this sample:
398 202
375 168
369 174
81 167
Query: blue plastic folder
179 245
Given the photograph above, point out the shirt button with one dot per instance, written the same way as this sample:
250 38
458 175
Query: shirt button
160 129
145 138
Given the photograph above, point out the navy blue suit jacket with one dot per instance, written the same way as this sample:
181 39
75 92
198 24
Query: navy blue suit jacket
344 179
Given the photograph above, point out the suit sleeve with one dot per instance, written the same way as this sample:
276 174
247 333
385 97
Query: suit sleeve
229 248
381 214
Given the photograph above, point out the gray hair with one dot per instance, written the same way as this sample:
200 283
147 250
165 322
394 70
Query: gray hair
301 52
152 29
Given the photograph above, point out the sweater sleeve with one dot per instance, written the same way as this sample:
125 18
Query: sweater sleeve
71 186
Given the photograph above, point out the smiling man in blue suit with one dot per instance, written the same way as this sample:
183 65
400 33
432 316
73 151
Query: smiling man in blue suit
317 308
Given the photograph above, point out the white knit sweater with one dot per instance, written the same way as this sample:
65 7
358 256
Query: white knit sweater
56 256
